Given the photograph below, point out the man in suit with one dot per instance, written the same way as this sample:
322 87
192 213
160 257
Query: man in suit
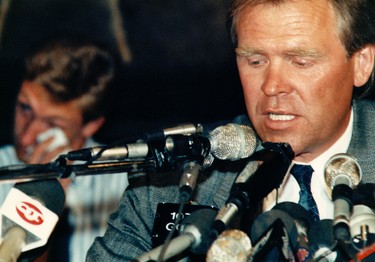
301 63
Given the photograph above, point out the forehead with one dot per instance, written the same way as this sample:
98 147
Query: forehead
297 20
43 105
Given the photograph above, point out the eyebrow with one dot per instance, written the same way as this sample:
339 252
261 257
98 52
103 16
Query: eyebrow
247 51
303 53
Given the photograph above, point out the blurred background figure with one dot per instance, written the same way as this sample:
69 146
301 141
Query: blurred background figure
176 61
176 58
60 105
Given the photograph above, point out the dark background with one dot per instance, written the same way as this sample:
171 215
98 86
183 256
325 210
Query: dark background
182 68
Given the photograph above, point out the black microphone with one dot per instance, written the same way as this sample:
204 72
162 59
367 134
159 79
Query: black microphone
254 186
193 230
342 175
28 216
274 236
303 223
364 194
229 142
322 242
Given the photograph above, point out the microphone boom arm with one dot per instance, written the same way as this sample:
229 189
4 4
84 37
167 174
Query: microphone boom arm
28 172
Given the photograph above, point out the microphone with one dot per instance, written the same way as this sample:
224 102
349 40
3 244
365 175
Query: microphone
182 129
231 245
322 242
228 142
28 216
362 221
303 222
254 184
342 174
188 180
364 194
362 226
231 208
194 228
275 236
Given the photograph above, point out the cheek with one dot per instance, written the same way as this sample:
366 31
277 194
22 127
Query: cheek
251 97
335 87
74 136
252 91
20 123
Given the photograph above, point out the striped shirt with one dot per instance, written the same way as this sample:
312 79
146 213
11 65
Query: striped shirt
90 199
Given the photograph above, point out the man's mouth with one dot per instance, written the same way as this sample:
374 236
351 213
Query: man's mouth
280 117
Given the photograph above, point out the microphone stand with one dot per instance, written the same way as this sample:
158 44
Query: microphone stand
161 158
60 169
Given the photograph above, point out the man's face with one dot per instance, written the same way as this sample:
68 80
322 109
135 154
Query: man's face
296 76
36 112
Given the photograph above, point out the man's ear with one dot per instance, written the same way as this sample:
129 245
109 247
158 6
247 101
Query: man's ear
364 60
91 127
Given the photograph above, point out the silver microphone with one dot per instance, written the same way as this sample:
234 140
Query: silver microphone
342 168
228 142
342 175
183 129
232 142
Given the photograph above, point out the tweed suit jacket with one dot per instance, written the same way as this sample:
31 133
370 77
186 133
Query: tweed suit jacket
362 144
130 228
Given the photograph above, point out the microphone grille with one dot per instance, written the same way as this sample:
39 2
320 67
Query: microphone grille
231 245
232 142
342 165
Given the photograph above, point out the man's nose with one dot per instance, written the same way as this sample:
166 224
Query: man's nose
275 81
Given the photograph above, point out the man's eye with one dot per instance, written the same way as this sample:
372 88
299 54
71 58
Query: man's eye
25 108
256 62
303 63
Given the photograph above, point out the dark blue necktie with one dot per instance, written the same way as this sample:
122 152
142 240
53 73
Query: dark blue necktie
302 174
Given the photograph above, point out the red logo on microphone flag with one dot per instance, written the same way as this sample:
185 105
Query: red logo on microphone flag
30 213
303 254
